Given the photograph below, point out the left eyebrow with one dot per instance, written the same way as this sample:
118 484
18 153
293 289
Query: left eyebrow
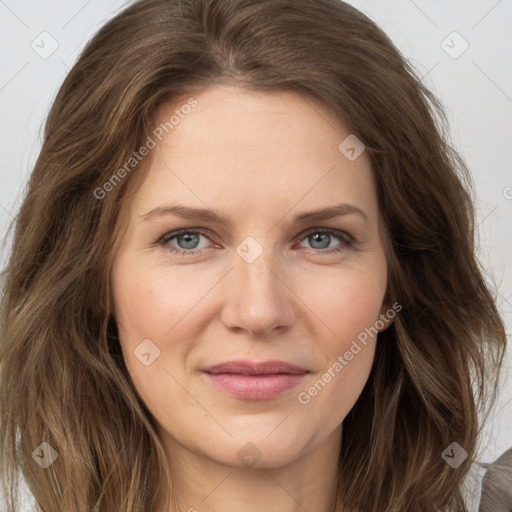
212 216
330 212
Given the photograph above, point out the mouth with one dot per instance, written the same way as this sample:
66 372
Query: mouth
254 381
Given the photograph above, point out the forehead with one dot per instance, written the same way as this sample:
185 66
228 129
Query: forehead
252 150
229 117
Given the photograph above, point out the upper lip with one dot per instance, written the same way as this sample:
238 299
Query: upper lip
253 368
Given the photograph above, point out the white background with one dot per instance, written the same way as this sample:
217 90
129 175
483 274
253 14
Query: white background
475 87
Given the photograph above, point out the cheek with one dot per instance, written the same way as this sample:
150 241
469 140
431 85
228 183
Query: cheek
350 307
135 307
146 308
158 303
142 312
348 302
161 304
149 301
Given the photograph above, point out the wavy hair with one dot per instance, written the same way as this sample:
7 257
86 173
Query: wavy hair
63 380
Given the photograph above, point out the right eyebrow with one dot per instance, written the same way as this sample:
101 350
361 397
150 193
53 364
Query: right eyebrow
185 212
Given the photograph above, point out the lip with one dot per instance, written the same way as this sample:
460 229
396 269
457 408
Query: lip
253 368
255 381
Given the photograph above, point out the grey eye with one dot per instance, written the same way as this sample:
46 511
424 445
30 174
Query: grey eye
320 238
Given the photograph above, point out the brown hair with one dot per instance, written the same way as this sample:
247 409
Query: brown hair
63 379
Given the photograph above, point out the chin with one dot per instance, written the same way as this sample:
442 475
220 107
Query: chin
259 451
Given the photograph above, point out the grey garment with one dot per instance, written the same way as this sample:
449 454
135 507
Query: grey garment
497 485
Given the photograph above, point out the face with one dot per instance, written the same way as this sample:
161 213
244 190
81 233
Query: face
220 263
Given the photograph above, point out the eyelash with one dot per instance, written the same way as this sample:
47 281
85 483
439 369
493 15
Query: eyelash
347 241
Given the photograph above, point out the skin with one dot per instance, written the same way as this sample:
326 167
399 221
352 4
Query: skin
259 159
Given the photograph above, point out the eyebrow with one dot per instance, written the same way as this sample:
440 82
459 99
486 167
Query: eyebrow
212 216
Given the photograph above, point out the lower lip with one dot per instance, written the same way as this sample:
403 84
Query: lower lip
255 387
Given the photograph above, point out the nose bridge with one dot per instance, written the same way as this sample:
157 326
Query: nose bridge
259 300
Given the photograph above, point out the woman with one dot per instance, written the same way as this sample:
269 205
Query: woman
173 338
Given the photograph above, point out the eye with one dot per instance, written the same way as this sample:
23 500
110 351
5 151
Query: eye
321 239
188 241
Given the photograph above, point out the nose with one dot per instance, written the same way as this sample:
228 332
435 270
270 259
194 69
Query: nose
258 297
